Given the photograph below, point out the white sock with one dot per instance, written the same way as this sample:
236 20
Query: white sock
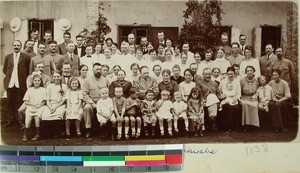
126 130
132 130
170 129
175 125
162 129
119 130
139 130
186 122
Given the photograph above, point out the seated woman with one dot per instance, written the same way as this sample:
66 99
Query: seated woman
231 113
249 86
281 105
168 84
56 108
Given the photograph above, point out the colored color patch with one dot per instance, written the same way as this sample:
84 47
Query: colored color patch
174 159
103 158
104 163
28 158
145 163
61 158
144 158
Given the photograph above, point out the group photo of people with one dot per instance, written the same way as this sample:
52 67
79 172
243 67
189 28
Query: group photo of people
144 90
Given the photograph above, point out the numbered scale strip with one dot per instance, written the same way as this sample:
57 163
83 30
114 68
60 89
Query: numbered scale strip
150 158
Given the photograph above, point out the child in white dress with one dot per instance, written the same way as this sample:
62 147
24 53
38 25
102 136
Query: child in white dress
231 96
105 113
264 94
34 99
179 109
164 112
74 97
186 86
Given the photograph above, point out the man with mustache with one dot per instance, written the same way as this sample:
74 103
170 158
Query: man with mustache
28 49
91 89
48 62
285 66
57 58
15 68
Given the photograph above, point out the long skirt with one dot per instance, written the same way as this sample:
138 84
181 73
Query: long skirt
280 113
250 113
232 116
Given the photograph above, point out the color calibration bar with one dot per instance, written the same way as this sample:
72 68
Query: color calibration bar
149 158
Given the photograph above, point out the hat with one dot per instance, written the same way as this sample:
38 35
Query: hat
64 24
15 24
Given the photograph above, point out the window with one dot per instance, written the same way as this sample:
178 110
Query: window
138 31
270 35
42 26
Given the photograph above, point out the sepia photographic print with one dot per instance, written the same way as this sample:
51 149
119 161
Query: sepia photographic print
148 72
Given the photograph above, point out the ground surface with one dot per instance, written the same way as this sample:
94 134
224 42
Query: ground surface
13 136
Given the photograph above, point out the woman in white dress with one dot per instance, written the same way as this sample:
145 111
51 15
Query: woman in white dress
249 61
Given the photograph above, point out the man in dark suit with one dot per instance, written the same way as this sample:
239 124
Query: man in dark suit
266 62
16 69
72 59
34 35
62 47
66 73
80 48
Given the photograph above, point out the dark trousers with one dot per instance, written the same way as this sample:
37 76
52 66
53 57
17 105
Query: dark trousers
14 101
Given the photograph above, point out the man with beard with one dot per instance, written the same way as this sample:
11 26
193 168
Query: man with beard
92 86
28 50
194 68
211 94
72 58
57 58
285 66
144 44
62 47
266 62
48 62
15 68
224 44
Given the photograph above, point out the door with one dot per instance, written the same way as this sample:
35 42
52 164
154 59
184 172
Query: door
270 35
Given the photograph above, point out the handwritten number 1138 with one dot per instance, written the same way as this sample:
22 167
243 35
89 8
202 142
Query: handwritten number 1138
256 149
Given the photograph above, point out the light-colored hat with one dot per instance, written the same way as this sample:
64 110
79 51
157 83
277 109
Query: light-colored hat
15 24
64 24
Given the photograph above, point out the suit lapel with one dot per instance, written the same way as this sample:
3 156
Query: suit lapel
20 58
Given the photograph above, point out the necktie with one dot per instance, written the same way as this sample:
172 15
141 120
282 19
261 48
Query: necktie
71 57
242 48
89 56
268 56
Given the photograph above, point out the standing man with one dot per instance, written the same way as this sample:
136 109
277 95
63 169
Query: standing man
161 38
79 48
73 59
242 46
34 35
62 47
48 62
224 44
266 62
57 58
48 39
235 58
144 44
28 50
131 39
88 59
285 66
15 68
92 86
